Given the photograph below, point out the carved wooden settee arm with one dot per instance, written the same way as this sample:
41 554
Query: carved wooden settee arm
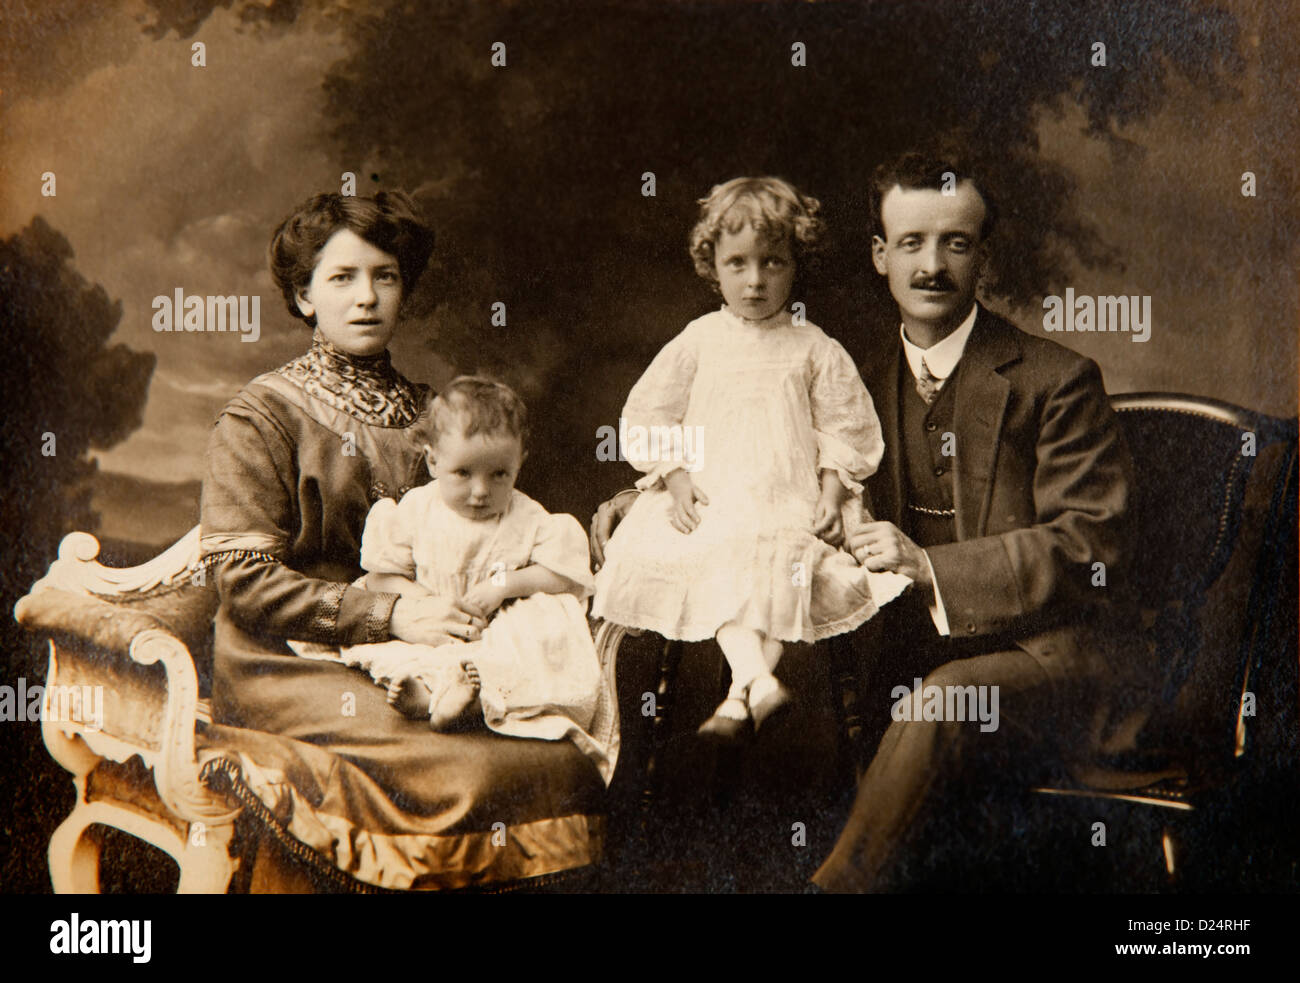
83 619
121 684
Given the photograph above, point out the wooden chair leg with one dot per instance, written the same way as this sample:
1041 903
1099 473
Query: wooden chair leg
205 862
846 699
74 854
670 659
1172 857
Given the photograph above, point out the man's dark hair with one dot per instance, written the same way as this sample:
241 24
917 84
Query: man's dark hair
917 169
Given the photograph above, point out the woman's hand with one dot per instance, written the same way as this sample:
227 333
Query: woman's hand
684 516
483 599
432 621
608 515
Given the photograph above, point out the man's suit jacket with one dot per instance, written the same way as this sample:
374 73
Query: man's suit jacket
1041 486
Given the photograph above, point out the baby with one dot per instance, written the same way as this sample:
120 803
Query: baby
471 536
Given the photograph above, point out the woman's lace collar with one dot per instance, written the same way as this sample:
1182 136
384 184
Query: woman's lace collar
364 386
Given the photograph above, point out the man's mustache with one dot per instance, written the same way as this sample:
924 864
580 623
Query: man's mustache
940 281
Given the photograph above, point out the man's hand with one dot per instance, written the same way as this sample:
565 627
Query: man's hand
482 600
684 517
608 515
432 621
882 546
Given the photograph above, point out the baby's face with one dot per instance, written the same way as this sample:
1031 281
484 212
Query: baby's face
755 274
476 474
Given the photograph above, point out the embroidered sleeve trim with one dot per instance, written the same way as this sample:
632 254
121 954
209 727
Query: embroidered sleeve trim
379 617
325 619
221 556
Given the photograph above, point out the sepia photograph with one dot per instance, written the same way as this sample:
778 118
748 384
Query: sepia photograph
671 447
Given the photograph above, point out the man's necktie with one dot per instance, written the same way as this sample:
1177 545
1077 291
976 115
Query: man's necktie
927 386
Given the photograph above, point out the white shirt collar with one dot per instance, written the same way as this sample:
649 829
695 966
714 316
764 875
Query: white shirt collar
941 359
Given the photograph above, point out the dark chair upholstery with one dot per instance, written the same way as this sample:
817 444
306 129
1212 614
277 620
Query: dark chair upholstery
1211 597
1212 590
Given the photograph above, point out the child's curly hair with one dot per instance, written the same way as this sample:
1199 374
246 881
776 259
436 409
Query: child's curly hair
775 208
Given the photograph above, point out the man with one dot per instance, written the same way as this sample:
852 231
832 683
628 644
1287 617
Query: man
1002 494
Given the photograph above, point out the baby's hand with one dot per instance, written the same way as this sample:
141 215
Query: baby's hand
482 599
684 516
827 522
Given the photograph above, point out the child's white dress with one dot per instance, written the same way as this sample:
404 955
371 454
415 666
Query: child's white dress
763 407
538 666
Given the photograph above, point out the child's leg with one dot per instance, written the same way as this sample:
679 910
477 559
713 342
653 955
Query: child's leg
743 649
441 686
754 691
766 696
447 697
771 653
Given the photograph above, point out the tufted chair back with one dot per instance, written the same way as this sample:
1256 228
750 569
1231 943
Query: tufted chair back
1212 577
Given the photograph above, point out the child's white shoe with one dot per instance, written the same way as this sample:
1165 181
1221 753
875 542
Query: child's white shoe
767 698
729 722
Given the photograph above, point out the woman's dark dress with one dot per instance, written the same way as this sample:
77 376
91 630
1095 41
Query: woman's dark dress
293 466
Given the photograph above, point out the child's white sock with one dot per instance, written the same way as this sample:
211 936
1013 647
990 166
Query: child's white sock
743 649
771 653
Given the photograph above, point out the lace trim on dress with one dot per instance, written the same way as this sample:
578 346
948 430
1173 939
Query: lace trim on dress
366 387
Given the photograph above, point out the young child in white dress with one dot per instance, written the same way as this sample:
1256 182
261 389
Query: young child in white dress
755 432
471 535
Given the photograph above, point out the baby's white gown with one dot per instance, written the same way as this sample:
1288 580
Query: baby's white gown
538 666
764 407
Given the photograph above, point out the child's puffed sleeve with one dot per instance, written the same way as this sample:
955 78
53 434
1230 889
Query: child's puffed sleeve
849 440
561 546
659 399
386 543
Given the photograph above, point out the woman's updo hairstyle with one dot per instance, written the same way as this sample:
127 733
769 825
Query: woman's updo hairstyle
390 221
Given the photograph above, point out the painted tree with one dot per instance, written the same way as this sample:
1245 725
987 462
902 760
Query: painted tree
68 391
531 163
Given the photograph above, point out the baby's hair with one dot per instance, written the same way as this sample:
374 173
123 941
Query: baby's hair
775 208
472 404
390 221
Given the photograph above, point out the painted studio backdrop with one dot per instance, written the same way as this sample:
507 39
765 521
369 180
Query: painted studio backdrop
149 148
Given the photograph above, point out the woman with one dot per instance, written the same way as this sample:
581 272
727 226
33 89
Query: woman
293 465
